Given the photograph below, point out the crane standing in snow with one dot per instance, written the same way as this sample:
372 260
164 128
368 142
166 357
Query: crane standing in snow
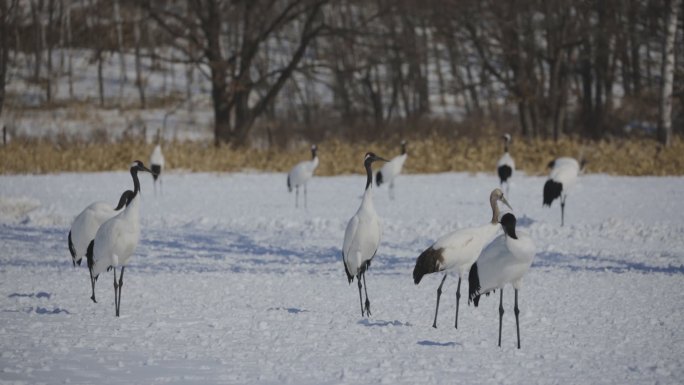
563 176
457 251
362 237
506 260
157 163
86 224
117 239
301 173
506 165
390 170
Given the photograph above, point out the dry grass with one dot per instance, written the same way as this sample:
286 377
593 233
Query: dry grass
430 155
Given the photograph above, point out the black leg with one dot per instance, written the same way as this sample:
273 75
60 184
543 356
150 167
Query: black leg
305 204
517 311
296 196
439 294
458 299
562 210
92 283
365 288
118 305
116 295
358 280
501 311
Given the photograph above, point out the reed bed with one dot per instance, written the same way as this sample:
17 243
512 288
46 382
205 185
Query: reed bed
433 154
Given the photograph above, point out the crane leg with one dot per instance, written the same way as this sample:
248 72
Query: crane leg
116 295
391 190
365 288
517 311
305 204
296 196
439 294
92 283
358 281
118 305
458 299
501 313
562 210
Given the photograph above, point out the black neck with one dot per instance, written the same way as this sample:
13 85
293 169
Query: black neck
136 182
369 174
313 153
505 145
403 149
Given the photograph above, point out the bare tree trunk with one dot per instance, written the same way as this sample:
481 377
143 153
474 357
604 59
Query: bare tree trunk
139 82
119 41
665 120
4 51
48 43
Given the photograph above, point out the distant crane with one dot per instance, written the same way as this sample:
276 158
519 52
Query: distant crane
506 260
457 251
563 176
117 239
85 226
301 173
391 170
506 165
157 163
362 237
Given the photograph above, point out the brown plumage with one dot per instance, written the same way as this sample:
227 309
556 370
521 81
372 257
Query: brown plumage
429 261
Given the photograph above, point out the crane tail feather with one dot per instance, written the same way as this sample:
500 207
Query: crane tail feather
378 178
552 190
474 285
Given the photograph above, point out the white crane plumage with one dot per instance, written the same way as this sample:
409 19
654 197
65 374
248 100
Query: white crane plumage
117 238
157 166
390 170
506 165
300 174
506 260
562 177
362 237
86 224
457 251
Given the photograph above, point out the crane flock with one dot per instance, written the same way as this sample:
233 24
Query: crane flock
108 236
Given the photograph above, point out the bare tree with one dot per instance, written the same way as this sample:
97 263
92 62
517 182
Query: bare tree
665 120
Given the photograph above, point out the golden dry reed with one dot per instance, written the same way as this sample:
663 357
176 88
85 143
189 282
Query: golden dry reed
429 155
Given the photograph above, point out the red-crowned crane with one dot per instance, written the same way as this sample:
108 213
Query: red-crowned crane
506 165
506 260
362 237
390 170
301 173
457 251
117 239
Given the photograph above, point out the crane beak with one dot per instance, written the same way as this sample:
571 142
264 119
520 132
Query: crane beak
504 201
143 168
379 158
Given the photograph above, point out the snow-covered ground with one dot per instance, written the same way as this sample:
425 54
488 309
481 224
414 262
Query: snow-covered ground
232 284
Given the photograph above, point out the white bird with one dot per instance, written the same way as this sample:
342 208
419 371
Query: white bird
87 223
362 237
117 239
506 260
563 175
457 251
506 165
301 173
391 170
157 166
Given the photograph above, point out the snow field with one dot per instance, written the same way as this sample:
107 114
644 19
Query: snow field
232 284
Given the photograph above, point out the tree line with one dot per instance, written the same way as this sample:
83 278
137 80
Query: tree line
559 67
